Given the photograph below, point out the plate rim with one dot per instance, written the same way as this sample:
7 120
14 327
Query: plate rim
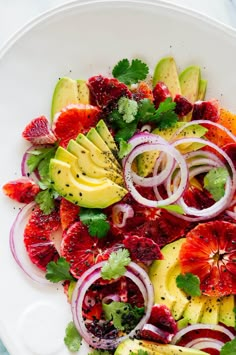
36 20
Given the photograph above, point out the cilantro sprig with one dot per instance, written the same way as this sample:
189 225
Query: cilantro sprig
214 182
72 338
115 266
164 117
189 283
39 160
123 315
58 271
95 220
130 73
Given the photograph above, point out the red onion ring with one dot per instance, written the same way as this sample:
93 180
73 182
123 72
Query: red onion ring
203 122
126 212
24 167
17 246
86 280
167 149
199 326
205 343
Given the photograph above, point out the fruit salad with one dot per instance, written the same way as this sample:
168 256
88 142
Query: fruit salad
128 202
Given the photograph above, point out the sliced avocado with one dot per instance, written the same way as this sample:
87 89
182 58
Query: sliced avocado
182 300
104 132
99 157
166 71
189 82
211 311
97 140
68 91
83 92
194 310
160 273
100 196
227 314
133 345
65 156
89 166
65 93
202 90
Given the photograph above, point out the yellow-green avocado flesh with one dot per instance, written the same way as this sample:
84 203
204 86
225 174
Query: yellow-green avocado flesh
128 346
100 196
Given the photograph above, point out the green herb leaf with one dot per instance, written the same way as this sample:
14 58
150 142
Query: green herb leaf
214 182
115 266
126 132
164 117
95 220
130 73
173 208
123 315
58 271
100 352
40 158
45 199
189 283
128 109
72 338
229 348
139 352
124 148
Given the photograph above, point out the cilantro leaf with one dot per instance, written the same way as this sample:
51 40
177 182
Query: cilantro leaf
115 265
214 182
164 117
140 352
124 316
126 132
72 338
128 108
189 283
96 221
124 148
130 73
100 352
45 199
39 159
229 348
58 271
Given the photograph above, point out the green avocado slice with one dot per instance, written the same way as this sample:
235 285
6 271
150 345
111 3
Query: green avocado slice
166 71
189 82
68 91
100 196
202 90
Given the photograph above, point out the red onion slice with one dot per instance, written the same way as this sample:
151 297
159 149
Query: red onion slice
199 326
24 167
130 183
83 284
18 248
205 343
121 210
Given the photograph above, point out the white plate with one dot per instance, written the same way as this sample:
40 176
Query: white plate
83 39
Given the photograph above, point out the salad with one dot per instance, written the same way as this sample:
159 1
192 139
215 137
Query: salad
128 197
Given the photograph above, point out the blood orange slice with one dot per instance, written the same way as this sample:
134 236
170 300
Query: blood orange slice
210 253
68 213
81 250
74 119
38 131
22 190
37 237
